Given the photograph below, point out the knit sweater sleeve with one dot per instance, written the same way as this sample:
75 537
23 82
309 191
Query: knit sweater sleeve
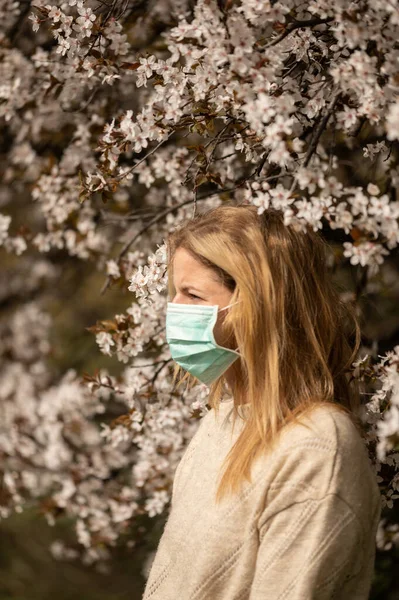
307 551
313 533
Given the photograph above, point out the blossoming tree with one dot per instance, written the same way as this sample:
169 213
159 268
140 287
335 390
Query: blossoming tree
120 121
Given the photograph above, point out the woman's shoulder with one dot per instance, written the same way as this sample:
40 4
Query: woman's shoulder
322 454
326 426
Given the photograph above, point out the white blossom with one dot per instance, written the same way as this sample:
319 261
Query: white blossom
105 341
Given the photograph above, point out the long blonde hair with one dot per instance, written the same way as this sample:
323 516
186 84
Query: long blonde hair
291 327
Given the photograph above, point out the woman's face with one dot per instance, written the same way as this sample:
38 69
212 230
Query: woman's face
196 284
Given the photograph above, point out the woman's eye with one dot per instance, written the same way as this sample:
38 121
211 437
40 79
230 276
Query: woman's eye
194 296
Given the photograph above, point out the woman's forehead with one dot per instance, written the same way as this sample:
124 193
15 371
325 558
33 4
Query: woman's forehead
188 272
185 264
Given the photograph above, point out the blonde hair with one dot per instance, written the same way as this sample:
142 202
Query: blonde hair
291 327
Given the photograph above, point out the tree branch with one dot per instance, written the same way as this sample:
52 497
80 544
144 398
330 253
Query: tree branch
296 25
154 149
319 130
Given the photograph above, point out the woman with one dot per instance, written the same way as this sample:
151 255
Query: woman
275 497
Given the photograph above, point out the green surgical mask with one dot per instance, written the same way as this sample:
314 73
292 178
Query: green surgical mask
189 333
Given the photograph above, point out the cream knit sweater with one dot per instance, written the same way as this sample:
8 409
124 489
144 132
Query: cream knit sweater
304 529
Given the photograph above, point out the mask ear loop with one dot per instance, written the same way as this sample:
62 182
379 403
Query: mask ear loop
224 308
228 306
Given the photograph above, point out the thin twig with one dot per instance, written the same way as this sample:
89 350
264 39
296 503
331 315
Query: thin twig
296 25
323 124
316 137
158 362
195 202
128 244
153 379
120 177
